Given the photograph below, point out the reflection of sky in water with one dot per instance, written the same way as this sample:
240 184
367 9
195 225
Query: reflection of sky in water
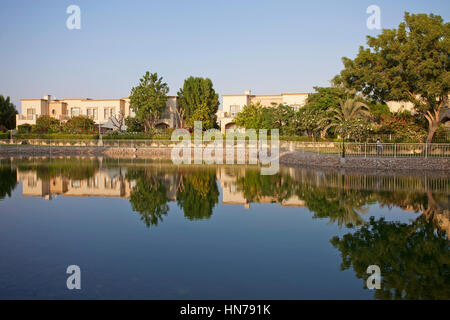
262 252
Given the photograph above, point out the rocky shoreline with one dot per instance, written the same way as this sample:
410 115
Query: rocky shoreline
380 164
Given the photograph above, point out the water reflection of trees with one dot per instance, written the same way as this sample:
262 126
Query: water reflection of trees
343 206
414 258
197 193
340 206
8 180
149 196
343 199
256 186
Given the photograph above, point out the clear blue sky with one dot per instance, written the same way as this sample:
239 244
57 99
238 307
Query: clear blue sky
266 46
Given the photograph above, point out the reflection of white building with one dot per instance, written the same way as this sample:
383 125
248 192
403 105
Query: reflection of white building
111 182
232 195
101 184
232 104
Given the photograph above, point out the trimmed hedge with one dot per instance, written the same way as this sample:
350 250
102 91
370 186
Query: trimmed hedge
56 136
164 134
128 136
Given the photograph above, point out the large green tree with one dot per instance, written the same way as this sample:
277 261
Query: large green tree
7 113
407 63
198 93
148 99
328 97
282 117
253 116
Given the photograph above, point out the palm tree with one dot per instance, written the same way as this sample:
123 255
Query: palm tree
342 117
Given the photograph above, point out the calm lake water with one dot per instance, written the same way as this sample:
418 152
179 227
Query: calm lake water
158 231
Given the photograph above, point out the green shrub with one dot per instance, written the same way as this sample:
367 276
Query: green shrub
379 110
442 134
127 136
402 128
304 138
155 134
56 136
4 135
47 124
134 125
79 124
24 128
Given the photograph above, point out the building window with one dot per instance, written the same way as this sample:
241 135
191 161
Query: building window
76 184
109 112
31 182
92 182
296 107
75 112
31 112
234 110
165 114
92 113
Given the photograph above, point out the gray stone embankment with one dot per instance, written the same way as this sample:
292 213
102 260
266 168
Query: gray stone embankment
313 160
30 151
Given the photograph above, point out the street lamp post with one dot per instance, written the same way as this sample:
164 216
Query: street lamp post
100 142
343 145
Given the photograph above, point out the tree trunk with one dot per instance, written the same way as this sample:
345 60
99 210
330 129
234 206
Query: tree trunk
433 122
180 113
432 130
147 125
431 116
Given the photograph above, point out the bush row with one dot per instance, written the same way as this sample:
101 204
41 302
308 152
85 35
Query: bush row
56 136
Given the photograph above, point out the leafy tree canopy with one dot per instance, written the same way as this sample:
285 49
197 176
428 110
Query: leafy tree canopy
256 116
407 63
7 113
201 113
148 99
327 97
198 93
252 117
